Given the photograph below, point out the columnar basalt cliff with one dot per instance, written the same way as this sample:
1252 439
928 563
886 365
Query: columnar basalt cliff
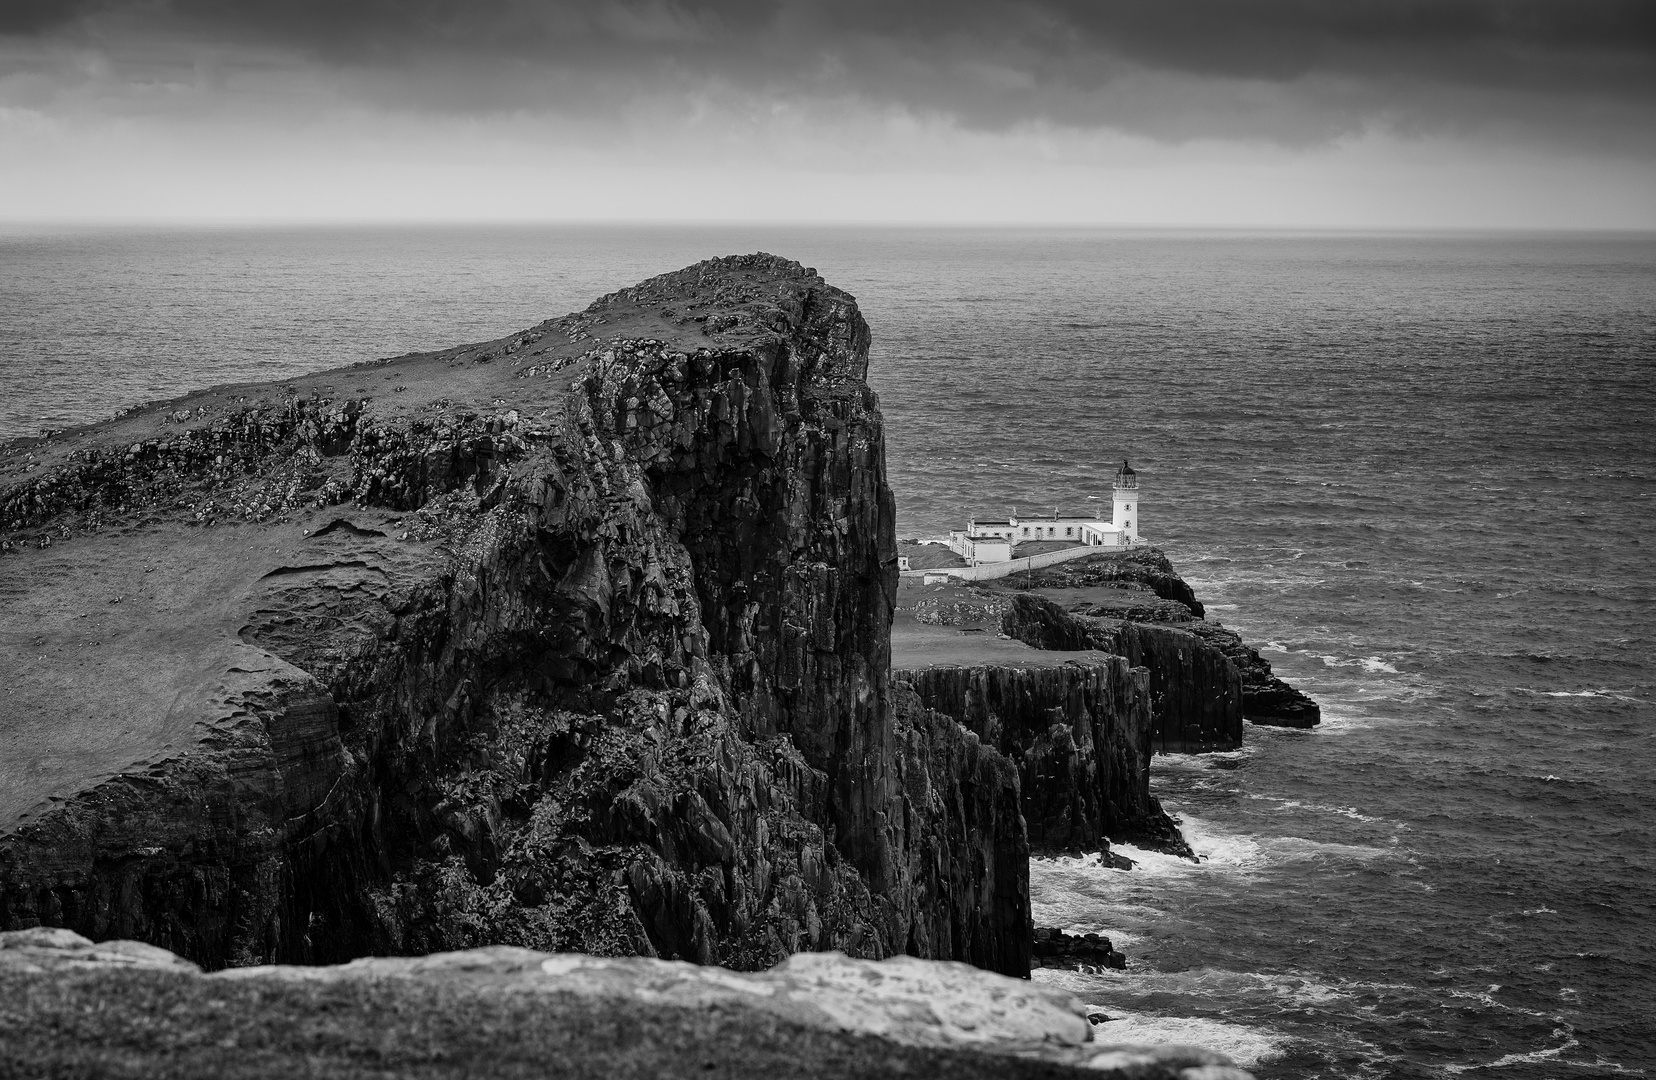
1080 734
572 640
1195 692
1266 699
1149 590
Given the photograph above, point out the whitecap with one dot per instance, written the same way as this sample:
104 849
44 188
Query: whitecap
1225 760
1298 848
1616 695
1374 664
1294 804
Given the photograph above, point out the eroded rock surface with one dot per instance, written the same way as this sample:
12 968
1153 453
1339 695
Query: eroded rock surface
1266 699
1195 691
1141 586
574 640
1144 567
813 1015
1087 952
1080 734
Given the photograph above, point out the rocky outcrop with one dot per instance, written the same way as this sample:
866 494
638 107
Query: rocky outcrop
575 640
1144 566
1080 736
129 1009
1195 692
1091 953
1145 588
1266 699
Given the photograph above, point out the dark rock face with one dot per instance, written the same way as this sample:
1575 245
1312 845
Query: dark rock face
604 671
1266 699
1144 567
1080 952
1141 573
1195 692
1080 735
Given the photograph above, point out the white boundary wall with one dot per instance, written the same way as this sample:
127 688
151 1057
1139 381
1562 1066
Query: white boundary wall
990 571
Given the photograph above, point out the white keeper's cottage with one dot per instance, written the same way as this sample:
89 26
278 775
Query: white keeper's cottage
994 541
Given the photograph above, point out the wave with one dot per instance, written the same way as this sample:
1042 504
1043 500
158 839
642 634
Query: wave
1553 1056
1367 663
1218 849
1615 695
1375 664
1247 1046
1294 804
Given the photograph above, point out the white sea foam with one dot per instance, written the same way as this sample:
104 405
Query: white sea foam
1248 1047
1300 849
1376 664
1216 847
1116 995
1616 695
1197 763
1367 663
1294 804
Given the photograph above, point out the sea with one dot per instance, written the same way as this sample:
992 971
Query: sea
1419 471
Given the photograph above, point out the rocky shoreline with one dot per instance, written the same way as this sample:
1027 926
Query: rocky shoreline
577 641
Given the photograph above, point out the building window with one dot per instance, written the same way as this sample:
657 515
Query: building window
1069 530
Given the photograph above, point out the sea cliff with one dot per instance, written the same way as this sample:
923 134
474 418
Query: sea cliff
1127 603
573 640
1081 737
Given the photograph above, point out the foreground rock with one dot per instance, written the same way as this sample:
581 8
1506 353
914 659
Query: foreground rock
124 1008
575 641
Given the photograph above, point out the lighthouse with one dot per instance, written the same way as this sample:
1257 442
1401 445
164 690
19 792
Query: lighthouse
1126 503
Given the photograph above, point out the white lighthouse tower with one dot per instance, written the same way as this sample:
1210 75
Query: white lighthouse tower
1126 497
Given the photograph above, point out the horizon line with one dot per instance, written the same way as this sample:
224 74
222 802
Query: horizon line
255 222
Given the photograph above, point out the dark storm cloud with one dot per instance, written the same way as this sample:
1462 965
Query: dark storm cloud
1289 70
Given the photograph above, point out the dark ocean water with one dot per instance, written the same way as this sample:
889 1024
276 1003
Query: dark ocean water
1422 469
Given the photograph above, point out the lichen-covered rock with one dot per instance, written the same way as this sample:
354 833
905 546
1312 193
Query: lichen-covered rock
573 640
843 1017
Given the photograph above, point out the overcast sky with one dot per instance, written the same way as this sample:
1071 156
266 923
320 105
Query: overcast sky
1360 113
